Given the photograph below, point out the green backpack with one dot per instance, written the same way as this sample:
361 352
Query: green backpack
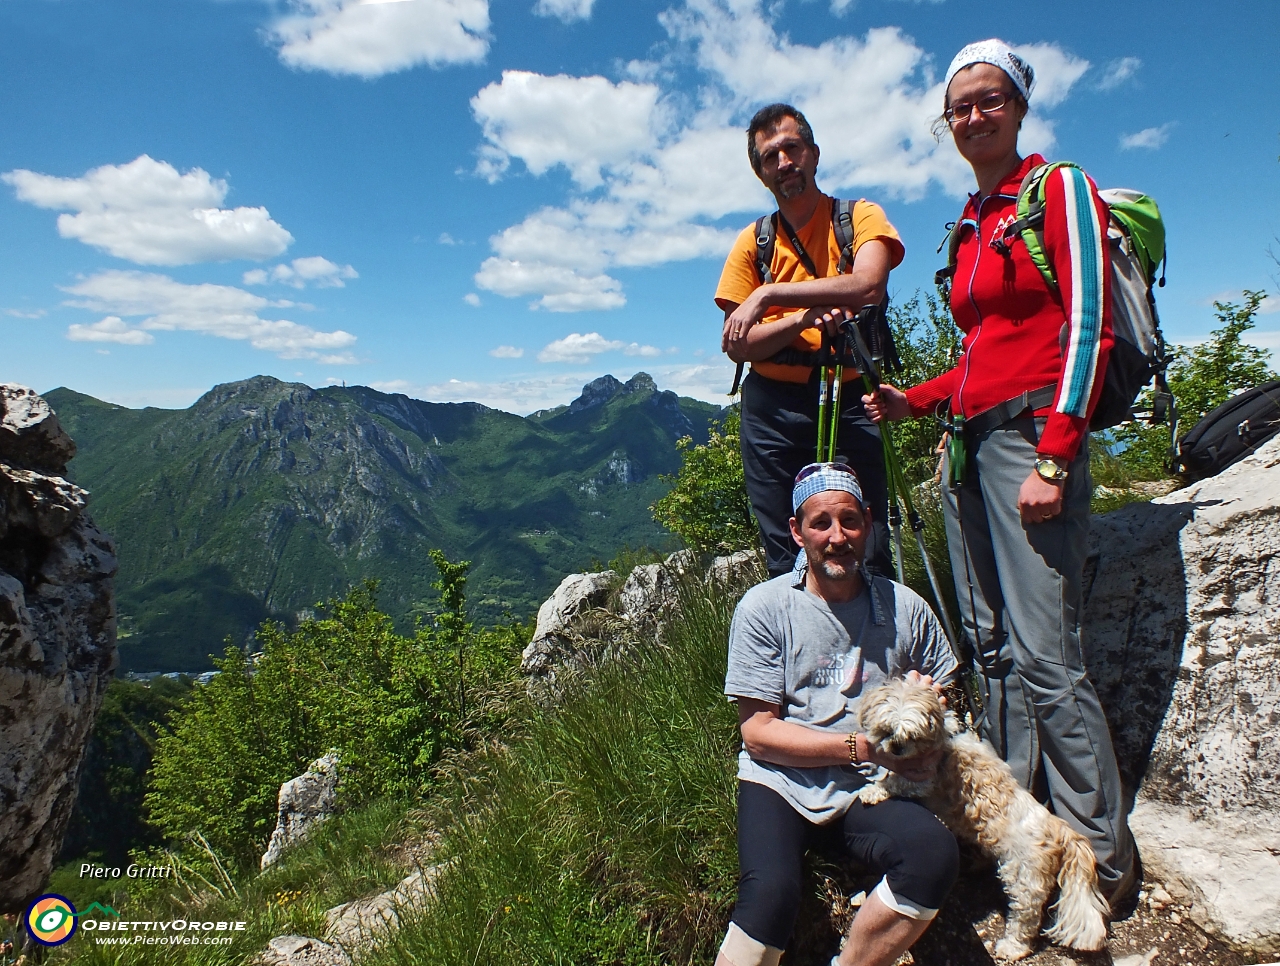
1136 241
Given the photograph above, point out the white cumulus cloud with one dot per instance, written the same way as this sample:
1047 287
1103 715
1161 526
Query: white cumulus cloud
472 299
146 212
506 352
562 288
165 305
1151 138
584 123
299 273
1117 72
566 10
110 329
1056 72
579 348
369 38
655 166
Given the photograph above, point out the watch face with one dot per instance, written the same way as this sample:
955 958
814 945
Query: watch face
1050 470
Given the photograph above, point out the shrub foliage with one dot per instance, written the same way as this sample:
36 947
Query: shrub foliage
707 505
389 704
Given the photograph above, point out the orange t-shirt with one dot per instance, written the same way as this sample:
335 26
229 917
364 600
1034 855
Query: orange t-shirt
739 279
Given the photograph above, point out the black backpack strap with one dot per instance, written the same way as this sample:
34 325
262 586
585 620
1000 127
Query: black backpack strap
842 226
951 242
766 229
766 237
1032 189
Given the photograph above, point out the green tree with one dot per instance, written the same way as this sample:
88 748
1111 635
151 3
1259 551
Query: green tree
1201 378
928 344
452 627
707 505
107 822
232 744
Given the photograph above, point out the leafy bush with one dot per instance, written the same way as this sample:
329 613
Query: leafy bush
389 704
929 344
707 506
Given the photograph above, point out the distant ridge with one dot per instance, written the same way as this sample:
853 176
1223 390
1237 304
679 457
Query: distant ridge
266 497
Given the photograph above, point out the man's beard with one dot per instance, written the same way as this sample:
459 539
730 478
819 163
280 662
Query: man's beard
793 185
837 568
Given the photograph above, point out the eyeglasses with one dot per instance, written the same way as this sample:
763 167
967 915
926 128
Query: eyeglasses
987 105
813 468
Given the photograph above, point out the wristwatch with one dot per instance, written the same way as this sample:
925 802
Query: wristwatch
1050 471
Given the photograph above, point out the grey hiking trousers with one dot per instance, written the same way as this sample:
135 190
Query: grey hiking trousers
1019 590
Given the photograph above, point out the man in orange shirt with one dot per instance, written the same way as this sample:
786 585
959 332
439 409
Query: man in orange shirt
777 326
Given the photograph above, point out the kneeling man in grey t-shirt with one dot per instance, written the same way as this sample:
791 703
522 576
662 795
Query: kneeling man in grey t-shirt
801 649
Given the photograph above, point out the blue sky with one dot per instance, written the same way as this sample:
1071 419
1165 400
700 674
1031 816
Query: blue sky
501 199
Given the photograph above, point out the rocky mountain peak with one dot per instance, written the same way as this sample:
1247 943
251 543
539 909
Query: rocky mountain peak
602 390
640 382
596 393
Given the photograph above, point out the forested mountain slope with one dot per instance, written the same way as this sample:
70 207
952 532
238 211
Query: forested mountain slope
266 497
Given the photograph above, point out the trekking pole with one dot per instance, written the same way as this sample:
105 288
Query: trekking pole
824 373
871 378
841 347
895 526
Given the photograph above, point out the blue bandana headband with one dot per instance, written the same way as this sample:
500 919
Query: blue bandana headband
998 54
820 477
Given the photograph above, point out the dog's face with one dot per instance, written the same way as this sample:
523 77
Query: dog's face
903 719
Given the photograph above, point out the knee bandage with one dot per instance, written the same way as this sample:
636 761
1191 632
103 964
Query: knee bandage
741 950
904 907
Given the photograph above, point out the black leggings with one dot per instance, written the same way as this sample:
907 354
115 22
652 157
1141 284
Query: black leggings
779 436
899 838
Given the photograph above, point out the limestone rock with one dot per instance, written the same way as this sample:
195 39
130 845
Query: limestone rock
304 803
57 640
1212 861
360 924
577 594
30 434
743 567
1182 638
301 951
650 590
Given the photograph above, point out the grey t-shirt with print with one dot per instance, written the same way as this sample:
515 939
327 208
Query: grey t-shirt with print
789 647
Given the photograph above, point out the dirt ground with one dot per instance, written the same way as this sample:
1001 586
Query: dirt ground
1158 932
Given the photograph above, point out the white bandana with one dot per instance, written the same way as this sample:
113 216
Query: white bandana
998 54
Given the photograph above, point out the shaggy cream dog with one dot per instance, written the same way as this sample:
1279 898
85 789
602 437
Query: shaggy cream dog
976 796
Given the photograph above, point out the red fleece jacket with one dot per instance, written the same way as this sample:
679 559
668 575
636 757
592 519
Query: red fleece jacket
1011 318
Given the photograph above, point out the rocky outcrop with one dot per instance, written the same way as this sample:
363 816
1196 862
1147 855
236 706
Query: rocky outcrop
1182 636
357 926
304 803
650 592
57 639
584 622
301 951
576 595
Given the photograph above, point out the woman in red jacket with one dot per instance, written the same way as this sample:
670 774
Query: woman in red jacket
1027 381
